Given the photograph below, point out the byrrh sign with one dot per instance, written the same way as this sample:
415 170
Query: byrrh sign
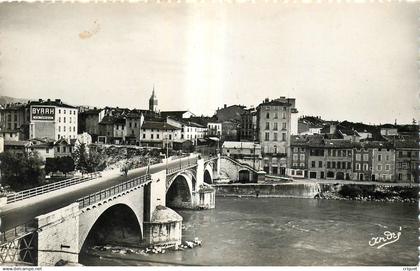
43 113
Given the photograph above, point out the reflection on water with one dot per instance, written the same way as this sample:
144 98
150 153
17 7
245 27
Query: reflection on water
281 231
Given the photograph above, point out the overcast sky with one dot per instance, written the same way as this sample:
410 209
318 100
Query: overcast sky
340 61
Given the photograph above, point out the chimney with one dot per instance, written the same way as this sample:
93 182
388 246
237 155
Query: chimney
57 100
40 100
225 106
48 100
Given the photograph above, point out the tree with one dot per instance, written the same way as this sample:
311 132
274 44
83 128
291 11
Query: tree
51 165
95 161
66 164
21 170
80 158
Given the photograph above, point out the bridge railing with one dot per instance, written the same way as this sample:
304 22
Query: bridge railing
181 167
50 187
17 231
113 190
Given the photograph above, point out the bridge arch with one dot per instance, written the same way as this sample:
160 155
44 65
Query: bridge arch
208 173
180 190
114 223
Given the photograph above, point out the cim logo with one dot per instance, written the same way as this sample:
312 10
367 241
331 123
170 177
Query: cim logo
43 113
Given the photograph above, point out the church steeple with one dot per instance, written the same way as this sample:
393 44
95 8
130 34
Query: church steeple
153 102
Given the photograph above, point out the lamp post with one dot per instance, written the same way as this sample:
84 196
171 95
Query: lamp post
254 155
167 151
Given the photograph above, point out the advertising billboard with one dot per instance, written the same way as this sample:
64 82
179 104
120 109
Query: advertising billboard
43 113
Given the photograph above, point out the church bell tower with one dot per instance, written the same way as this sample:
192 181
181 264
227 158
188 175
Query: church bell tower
153 102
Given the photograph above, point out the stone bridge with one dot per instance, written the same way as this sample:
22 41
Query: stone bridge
142 199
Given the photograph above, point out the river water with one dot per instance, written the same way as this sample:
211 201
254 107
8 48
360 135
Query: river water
288 231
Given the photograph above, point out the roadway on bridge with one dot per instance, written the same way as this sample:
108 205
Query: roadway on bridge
14 214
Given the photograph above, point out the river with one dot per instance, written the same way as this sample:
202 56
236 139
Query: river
288 231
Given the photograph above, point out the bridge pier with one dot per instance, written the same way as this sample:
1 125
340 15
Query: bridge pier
162 225
58 236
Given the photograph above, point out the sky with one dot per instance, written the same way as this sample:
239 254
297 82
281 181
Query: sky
343 61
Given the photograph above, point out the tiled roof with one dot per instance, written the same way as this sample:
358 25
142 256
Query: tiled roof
17 143
158 125
51 102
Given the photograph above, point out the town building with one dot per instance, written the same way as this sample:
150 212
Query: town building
134 121
230 113
407 161
248 126
18 147
383 160
158 134
43 147
89 122
14 116
189 130
52 119
273 131
64 147
214 129
362 163
112 130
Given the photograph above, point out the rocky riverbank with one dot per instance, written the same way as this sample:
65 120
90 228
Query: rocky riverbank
335 191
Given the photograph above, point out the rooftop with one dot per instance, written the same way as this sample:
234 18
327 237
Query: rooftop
158 125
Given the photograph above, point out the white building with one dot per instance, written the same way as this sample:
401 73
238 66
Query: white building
214 129
158 134
52 119
189 130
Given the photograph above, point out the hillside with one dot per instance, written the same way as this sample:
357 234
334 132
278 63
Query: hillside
6 99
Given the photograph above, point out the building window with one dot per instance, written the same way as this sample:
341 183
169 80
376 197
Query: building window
379 167
284 126
283 136
357 166
349 153
267 136
170 137
59 119
59 128
64 119
379 158
365 167
157 136
267 126
302 156
64 128
358 157
59 111
387 157
313 164
333 164
275 126
387 167
151 136
284 115
144 136
348 165
365 157
275 136
295 157
267 115
319 163
276 116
